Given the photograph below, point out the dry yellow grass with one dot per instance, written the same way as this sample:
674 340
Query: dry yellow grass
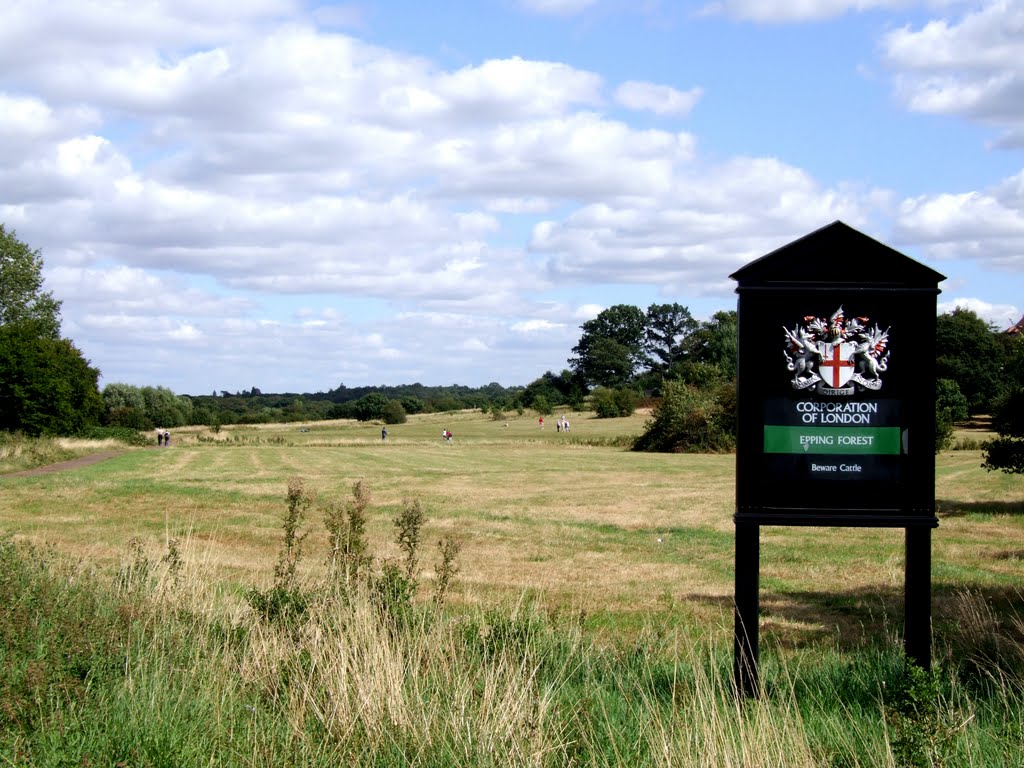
584 526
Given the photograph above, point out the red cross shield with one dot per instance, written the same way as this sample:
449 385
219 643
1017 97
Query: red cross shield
836 363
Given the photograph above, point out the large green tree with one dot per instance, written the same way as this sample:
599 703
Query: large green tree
968 352
669 327
22 298
46 384
47 387
716 342
611 349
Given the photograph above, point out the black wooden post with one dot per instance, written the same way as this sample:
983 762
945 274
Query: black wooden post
745 646
917 606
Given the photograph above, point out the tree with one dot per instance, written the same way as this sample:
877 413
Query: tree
969 354
47 387
394 413
611 348
370 407
412 404
669 327
717 342
557 389
541 405
950 407
22 299
125 407
164 408
1007 451
613 403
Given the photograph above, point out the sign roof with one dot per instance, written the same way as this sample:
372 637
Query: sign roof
837 254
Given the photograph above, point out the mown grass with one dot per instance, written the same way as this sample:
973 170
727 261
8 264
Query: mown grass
590 623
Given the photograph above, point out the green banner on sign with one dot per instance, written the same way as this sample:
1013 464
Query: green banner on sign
874 441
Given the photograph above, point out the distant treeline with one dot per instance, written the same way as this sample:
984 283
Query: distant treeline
150 407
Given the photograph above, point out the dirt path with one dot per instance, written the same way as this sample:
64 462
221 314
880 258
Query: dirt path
81 461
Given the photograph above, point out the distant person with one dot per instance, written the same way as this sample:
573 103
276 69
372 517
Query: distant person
541 420
383 434
167 438
159 437
558 426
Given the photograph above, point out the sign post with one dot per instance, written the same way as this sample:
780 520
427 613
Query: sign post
836 410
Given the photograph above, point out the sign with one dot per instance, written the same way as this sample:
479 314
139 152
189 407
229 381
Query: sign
835 422
836 409
836 385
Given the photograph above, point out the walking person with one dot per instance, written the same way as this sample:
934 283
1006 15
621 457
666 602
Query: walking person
159 437
383 434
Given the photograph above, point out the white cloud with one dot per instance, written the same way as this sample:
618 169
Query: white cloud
556 7
984 225
535 326
519 205
689 238
588 311
185 332
1000 315
660 99
503 88
972 67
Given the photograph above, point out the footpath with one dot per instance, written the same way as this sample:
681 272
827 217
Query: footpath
63 466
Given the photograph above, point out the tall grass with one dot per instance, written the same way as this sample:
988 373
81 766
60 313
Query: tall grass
18 452
143 667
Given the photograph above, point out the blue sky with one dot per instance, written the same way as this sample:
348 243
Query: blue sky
292 195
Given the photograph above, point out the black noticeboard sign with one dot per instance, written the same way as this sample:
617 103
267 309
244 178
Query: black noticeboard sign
836 391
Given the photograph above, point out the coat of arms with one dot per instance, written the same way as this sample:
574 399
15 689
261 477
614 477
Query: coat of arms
836 354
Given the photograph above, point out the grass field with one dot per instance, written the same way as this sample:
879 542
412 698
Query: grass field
592 610
570 517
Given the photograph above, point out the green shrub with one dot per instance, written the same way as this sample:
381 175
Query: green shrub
1007 452
922 726
394 413
690 420
614 403
125 435
542 406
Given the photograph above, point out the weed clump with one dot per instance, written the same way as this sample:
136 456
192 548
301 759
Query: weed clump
352 573
286 601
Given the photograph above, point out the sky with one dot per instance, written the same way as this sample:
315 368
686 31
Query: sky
295 195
